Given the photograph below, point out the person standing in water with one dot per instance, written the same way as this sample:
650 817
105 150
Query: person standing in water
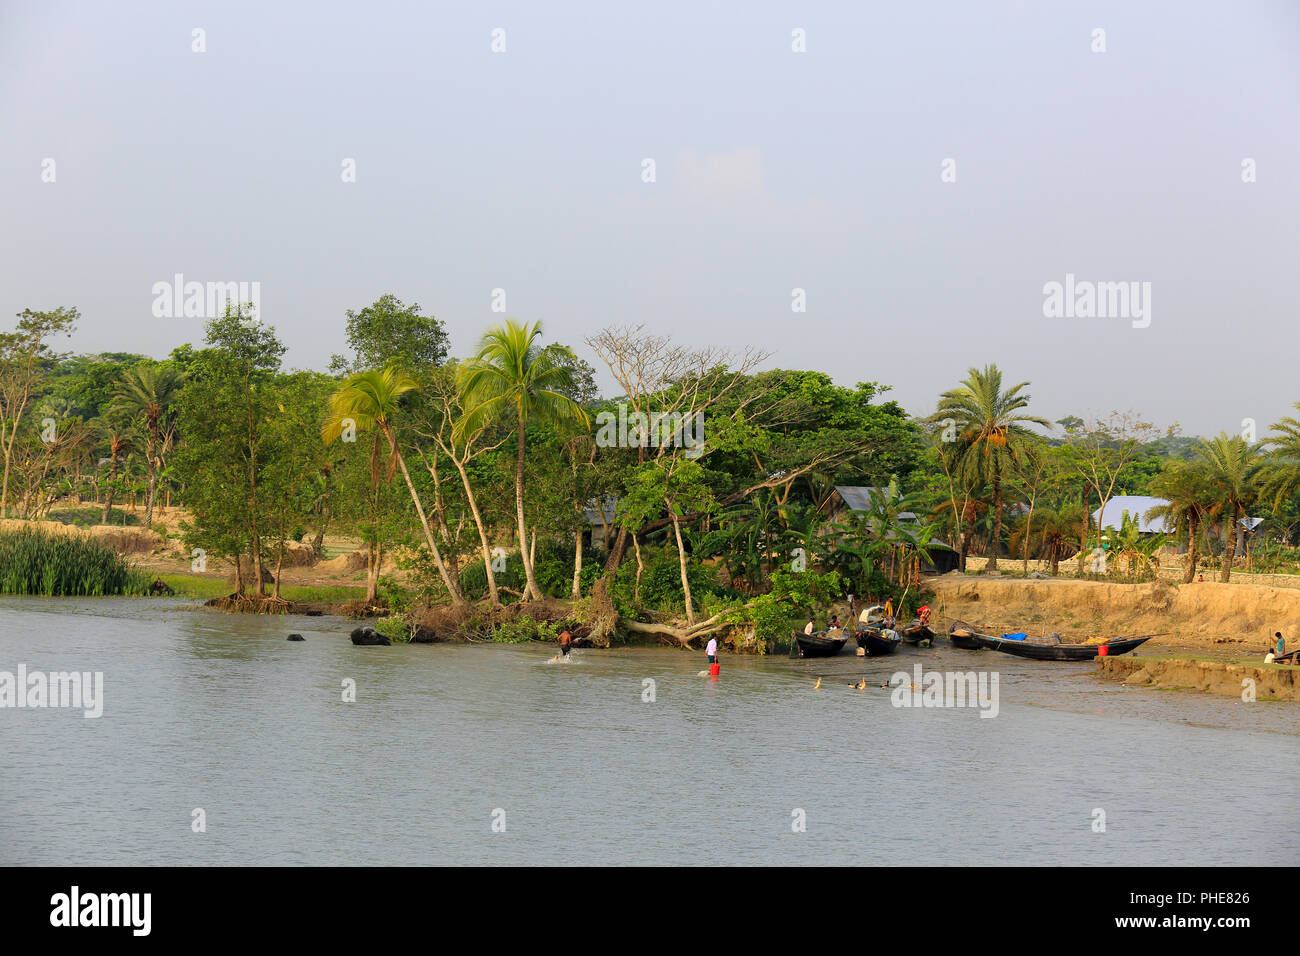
711 650
566 642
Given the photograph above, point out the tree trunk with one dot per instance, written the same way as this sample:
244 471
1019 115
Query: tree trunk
636 585
992 564
1190 574
372 573
615 556
279 566
530 588
108 501
484 546
1230 552
239 575
576 593
681 560
150 456
452 585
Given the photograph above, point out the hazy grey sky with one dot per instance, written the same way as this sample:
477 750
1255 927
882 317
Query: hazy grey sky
776 170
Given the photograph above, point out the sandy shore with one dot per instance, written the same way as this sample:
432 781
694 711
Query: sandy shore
1204 615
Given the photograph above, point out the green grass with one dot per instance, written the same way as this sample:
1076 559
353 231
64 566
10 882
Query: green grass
34 562
199 587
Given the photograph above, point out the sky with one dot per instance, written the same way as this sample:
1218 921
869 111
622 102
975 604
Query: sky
921 171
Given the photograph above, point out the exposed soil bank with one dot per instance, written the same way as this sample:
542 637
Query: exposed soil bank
1203 614
1214 677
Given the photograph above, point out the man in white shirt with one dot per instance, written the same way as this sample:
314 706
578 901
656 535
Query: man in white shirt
712 650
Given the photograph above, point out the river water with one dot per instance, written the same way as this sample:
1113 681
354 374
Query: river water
488 754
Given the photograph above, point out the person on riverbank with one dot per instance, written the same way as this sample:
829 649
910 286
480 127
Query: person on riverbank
923 615
711 650
1279 648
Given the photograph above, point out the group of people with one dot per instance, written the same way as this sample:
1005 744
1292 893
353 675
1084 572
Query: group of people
887 613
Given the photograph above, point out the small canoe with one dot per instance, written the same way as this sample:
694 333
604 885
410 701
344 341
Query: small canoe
916 632
878 641
819 644
964 636
1041 651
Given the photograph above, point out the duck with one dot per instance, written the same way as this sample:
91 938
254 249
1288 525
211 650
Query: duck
862 684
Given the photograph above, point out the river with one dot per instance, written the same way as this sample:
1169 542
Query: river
488 754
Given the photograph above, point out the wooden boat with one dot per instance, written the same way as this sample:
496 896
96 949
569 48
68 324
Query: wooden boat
916 632
819 644
1043 651
963 635
877 641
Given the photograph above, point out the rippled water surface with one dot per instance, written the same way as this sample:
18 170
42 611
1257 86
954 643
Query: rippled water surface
219 712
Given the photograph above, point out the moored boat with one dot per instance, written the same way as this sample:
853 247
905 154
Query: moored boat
819 644
916 632
963 636
878 641
1055 650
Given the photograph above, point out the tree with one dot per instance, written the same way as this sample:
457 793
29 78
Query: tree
390 332
1189 503
1101 451
991 432
513 375
121 439
224 409
1280 474
367 402
1232 467
145 394
23 353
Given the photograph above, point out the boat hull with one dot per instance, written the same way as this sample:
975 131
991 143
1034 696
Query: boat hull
814 645
875 643
963 636
1059 652
915 633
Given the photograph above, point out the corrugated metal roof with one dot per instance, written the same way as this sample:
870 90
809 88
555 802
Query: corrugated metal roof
592 513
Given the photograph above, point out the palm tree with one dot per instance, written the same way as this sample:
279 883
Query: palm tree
1058 530
368 400
1280 475
990 432
512 374
1232 467
1189 503
121 439
145 393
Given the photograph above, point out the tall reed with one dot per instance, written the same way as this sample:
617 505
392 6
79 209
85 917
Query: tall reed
35 562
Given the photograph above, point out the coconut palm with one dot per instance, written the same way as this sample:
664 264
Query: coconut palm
145 394
1280 475
1189 504
1232 467
368 401
512 374
990 432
